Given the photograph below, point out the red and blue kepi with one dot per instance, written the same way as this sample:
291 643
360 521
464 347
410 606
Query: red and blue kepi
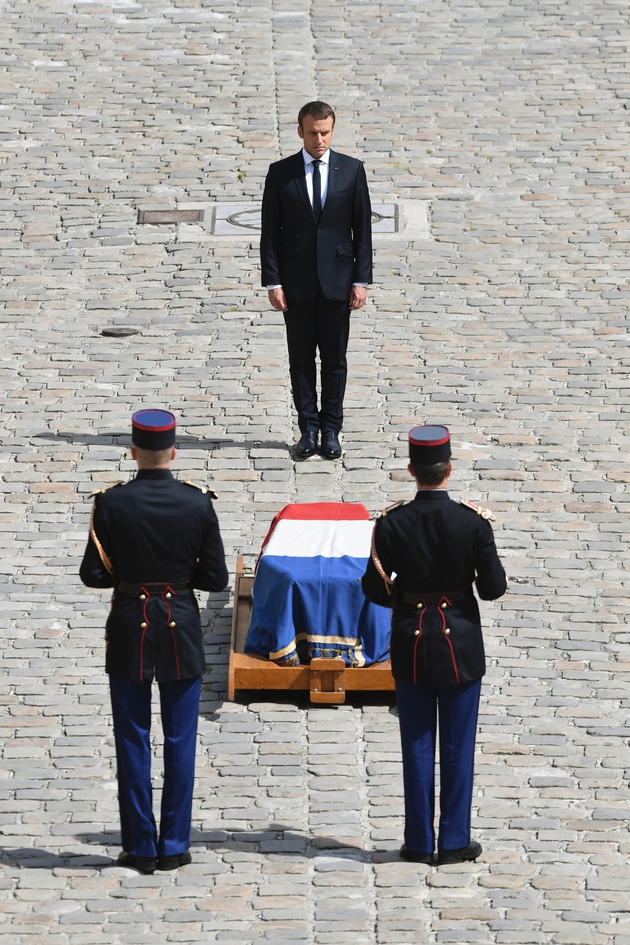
153 429
429 445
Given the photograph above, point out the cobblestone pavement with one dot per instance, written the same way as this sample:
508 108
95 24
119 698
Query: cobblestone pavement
505 125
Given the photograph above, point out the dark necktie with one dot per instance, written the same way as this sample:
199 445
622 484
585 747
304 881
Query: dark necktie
317 191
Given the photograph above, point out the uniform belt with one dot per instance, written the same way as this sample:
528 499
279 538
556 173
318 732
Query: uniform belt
430 597
153 587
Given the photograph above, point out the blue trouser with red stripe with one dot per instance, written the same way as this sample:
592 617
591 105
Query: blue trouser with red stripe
418 708
131 708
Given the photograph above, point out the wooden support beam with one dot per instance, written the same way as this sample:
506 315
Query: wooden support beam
327 680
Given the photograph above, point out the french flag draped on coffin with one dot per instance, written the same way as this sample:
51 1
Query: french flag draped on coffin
307 597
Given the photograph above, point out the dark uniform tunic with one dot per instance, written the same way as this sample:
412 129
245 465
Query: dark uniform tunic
155 529
437 548
161 538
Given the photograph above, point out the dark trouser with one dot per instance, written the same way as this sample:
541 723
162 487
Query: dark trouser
131 708
417 713
311 324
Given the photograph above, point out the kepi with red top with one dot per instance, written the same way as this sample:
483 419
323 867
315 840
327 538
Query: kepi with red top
153 429
429 445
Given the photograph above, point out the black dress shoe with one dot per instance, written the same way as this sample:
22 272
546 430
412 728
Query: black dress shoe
175 861
146 865
331 447
408 854
463 855
307 445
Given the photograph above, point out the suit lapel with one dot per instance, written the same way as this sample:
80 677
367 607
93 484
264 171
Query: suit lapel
333 177
299 178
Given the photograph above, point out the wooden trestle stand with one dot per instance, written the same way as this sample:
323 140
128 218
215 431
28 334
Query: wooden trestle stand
327 680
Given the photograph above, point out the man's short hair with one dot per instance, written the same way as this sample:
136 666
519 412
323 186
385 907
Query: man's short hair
153 458
430 475
318 110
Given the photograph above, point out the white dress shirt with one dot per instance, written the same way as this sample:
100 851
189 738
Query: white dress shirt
323 174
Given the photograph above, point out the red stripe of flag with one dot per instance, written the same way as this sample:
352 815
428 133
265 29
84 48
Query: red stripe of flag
317 512
330 511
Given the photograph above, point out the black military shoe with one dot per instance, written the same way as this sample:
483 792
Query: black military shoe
408 854
463 855
146 865
307 445
331 447
175 861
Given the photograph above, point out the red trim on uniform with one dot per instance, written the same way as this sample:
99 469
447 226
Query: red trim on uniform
168 621
143 590
415 668
453 659
447 601
441 612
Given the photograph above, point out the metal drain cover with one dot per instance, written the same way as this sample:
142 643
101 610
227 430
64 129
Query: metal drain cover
169 216
119 331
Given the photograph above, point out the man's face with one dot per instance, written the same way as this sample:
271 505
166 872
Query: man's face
316 134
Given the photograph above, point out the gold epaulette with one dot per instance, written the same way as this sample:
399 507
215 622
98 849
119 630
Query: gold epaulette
485 513
389 508
204 489
105 488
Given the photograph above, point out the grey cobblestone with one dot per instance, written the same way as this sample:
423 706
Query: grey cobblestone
506 129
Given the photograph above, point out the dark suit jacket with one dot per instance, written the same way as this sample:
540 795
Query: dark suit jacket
435 545
297 253
155 529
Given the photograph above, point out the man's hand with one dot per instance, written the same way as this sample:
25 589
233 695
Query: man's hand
278 299
357 297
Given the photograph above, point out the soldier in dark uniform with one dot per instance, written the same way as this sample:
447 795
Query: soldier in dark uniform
426 554
153 540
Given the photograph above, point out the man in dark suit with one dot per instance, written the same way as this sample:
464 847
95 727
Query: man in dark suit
316 254
153 540
426 554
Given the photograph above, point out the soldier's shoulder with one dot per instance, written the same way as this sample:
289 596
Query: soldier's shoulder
390 509
478 509
104 489
204 490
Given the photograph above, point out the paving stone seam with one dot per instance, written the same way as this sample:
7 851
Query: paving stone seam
365 820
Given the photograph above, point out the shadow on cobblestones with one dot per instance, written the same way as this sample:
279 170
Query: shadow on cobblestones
183 442
301 699
279 840
35 858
